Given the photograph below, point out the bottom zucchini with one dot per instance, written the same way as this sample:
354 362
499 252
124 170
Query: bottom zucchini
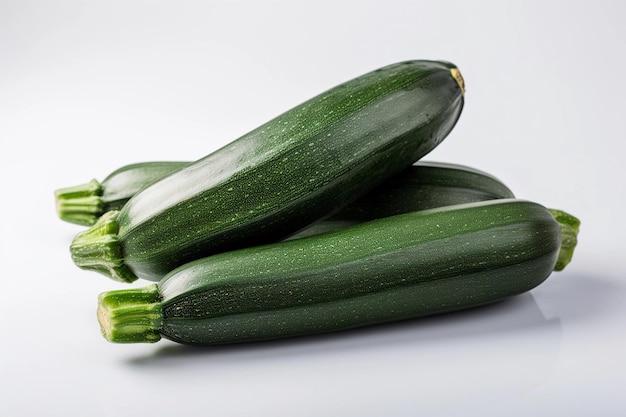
400 267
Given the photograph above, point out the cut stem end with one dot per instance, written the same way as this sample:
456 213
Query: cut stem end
456 74
80 204
130 315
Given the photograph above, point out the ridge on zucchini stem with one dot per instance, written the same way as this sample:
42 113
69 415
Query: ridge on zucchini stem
81 204
130 315
570 226
98 249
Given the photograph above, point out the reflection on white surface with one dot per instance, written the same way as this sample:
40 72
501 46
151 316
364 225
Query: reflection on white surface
418 364
516 315
521 353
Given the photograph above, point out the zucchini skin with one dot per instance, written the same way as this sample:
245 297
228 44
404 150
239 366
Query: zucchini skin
83 204
128 180
395 268
423 185
282 176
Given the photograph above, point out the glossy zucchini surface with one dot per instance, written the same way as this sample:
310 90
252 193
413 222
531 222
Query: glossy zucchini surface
395 268
85 203
282 176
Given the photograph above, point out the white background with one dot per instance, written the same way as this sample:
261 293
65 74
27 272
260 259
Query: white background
87 86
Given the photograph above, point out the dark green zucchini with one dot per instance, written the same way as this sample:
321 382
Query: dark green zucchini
395 268
84 204
282 176
421 186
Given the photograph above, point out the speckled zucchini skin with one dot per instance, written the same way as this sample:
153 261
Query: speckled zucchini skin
120 185
424 185
400 267
284 175
85 203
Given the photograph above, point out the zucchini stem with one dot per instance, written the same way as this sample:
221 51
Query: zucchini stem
81 204
131 315
98 249
570 226
456 74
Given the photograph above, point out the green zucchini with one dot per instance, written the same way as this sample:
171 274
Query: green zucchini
282 176
399 267
422 185
83 204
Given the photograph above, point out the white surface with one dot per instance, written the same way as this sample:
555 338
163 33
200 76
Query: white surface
86 87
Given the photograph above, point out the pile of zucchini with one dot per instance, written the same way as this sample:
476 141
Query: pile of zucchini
324 218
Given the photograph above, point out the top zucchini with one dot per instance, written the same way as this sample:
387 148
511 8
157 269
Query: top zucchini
282 176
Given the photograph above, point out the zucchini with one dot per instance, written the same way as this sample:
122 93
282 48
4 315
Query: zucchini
395 268
280 177
83 204
422 185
